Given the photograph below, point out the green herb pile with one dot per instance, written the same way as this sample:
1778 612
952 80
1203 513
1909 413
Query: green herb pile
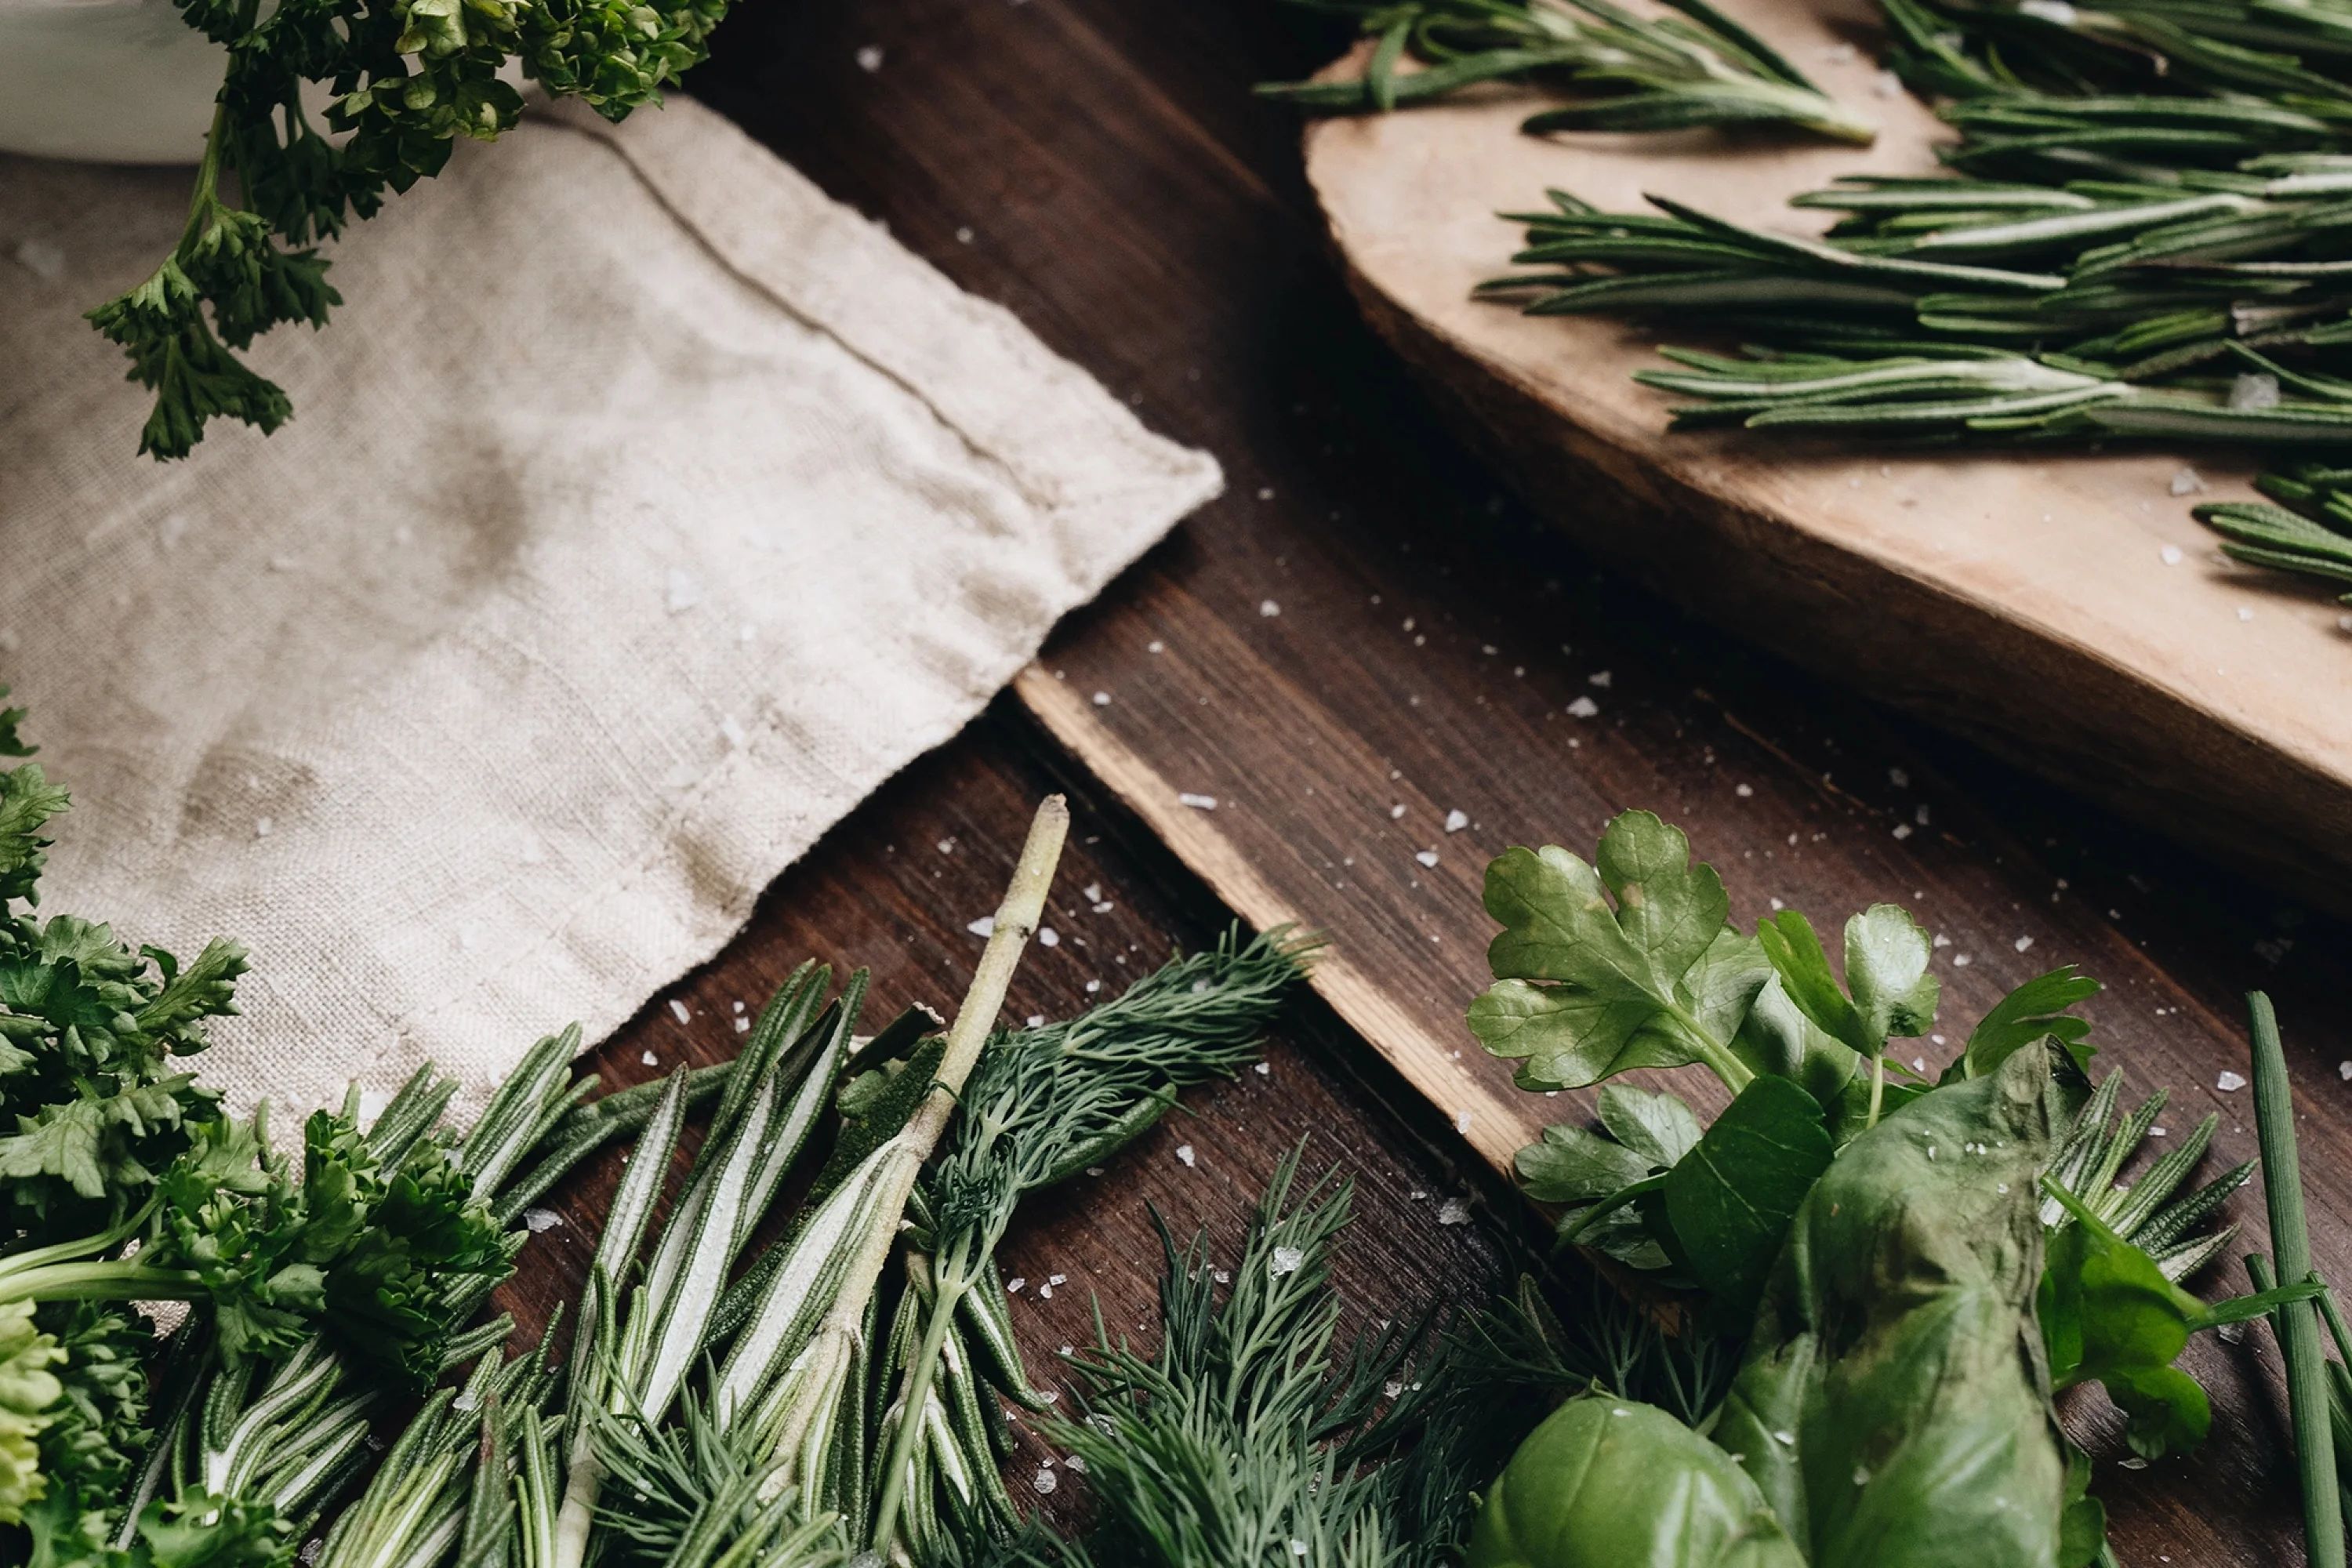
407 79
2142 236
1902 1273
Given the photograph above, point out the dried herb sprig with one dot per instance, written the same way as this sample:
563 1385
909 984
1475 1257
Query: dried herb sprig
1622 72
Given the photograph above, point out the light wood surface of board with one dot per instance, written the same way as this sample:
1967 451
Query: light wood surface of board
2063 608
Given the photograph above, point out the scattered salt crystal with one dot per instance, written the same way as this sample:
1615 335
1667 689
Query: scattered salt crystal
2229 1083
1057 1278
1013 1285
742 1026
650 1059
1961 961
1197 802
1743 791
1036 1020
1462 1121
1093 986
2231 1333
1266 1069
1453 1211
1103 907
963 235
1396 812
1045 1480
2245 614
678 1010
681 591
1839 53
310 1550
1045 1291
1599 678
732 733
1583 708
41 258
2254 391
2343 1072
1455 821
947 846
1392 1390
1092 890
2186 481
1886 84
1223 1275
1184 1153
1075 1463
1899 778
541 1219
1285 1260
1268 608
1861 1477
1426 857
1297 1547
1048 936
1102 699
1902 830
869 60
2024 943
984 926
1155 646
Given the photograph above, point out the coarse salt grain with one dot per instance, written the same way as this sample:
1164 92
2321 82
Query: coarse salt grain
1266 1069
538 1220
1455 821
1285 1260
1102 699
1184 1152
1453 1211
678 1010
1197 802
1268 608
1583 708
1045 1480
984 926
1013 1285
2170 555
1426 857
650 1059
869 59
2187 481
1048 936
2229 1083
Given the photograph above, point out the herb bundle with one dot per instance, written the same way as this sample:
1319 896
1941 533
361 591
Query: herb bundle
407 79
1623 71
1908 1271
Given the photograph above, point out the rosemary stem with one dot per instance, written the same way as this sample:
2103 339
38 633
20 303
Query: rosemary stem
2297 1323
952 1279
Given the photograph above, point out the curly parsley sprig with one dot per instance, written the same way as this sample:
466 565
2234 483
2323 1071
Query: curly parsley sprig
409 78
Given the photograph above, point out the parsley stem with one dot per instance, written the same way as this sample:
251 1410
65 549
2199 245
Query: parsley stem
1736 1074
103 1279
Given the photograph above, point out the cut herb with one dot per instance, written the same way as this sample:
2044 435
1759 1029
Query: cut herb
408 79
1622 72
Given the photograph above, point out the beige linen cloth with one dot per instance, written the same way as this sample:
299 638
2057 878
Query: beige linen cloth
642 510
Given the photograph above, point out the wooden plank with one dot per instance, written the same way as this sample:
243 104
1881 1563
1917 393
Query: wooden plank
2030 604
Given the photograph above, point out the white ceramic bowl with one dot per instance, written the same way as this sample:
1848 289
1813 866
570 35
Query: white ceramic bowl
116 81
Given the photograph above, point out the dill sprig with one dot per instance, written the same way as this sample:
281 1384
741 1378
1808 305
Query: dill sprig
1237 1442
1622 72
1042 1106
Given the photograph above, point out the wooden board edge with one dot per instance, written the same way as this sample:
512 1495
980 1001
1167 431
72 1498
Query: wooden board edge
1494 1124
2091 725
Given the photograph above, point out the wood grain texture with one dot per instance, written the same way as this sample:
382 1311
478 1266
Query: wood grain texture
1098 167
2026 604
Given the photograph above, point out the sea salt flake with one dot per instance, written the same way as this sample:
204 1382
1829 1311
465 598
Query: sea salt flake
2229 1083
1048 936
1045 1480
2186 481
1058 1279
1197 802
1077 1465
650 1059
742 1026
1102 699
1184 1153
1013 1285
1455 821
869 60
540 1220
1268 608
1453 1211
1285 1260
1583 708
2254 391
1743 791
678 1010
1426 857
984 926
2024 943
1902 830
1396 812
1599 678
2171 554
1266 1069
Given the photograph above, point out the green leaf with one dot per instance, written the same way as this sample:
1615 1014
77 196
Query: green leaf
1789 940
1732 1198
1887 955
1607 1483
28 1394
2109 1316
2042 1008
1777 1038
1890 1406
1657 1126
1617 964
1573 1166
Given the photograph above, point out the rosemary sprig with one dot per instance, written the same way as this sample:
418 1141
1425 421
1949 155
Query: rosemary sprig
1622 72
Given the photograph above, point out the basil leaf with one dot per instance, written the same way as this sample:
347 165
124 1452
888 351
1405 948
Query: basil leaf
1731 1199
1891 1404
2109 1316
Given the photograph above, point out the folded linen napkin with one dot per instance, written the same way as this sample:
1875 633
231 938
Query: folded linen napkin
644 510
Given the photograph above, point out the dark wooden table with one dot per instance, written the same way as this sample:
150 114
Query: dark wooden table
1363 623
